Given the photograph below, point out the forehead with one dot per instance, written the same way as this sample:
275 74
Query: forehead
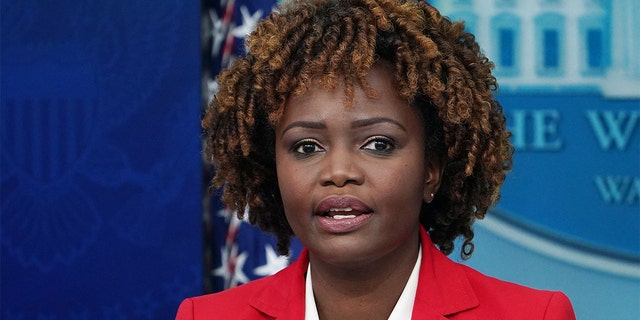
332 106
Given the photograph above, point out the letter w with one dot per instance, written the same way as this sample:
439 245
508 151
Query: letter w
613 189
613 128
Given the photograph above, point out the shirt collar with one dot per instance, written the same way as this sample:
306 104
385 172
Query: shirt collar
310 309
404 306
401 311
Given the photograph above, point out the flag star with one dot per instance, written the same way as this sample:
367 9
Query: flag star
238 275
249 22
223 270
274 263
218 32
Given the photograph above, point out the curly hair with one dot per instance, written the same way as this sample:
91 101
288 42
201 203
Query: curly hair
437 67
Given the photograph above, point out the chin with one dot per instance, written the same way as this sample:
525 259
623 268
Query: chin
345 252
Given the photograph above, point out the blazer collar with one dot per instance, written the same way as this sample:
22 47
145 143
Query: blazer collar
282 294
443 287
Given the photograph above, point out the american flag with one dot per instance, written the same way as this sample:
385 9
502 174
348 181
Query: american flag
240 252
229 22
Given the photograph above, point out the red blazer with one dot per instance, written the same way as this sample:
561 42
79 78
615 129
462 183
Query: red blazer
446 290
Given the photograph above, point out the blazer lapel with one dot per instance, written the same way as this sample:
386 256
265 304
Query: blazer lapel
443 287
283 296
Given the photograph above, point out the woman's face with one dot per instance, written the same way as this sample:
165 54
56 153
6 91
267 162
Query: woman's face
352 180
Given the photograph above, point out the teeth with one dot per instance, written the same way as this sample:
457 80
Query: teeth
339 216
341 209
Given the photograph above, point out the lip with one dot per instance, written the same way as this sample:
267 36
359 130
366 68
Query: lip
354 212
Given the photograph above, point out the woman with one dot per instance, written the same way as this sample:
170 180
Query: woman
369 130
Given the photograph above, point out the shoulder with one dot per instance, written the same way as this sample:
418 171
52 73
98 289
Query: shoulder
457 290
509 299
209 305
281 293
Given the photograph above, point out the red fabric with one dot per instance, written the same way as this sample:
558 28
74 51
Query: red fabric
446 290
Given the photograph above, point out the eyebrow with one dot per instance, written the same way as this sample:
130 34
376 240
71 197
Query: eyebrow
356 124
372 121
304 124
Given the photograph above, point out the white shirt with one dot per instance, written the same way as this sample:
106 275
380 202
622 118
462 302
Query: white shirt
401 311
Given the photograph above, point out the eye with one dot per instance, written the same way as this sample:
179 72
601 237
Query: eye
379 145
305 148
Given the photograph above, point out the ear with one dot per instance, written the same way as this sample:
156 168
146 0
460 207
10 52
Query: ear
433 175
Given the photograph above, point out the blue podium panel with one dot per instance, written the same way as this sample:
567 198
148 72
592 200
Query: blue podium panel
101 167
569 217
576 168
600 287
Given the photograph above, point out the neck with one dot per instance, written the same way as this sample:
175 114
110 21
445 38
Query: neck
363 290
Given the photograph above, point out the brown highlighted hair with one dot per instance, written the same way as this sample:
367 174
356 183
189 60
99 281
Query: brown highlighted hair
437 67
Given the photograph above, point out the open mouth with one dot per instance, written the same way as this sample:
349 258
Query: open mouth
341 206
343 213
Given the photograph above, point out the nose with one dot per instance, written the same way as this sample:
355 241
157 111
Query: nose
341 168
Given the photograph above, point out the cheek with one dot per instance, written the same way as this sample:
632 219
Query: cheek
405 186
289 184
